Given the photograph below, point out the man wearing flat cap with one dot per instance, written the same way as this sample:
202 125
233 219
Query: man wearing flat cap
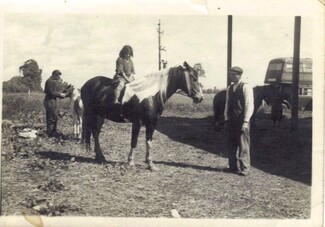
239 108
51 90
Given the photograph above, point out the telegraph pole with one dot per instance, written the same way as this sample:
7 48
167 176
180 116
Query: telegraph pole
160 48
229 48
295 74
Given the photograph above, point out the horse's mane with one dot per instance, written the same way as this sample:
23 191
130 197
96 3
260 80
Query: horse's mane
148 85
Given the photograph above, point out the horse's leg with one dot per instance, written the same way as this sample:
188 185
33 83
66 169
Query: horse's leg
74 124
97 125
150 127
86 130
136 125
79 126
82 125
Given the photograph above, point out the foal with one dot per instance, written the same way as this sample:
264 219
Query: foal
77 110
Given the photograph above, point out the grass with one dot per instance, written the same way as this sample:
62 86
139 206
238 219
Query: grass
54 177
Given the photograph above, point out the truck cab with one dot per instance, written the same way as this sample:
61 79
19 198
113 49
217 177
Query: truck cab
279 73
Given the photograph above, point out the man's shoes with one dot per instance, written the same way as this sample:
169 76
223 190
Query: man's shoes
54 134
235 171
230 170
57 135
243 173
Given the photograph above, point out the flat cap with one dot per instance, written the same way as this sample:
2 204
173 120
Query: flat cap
56 72
236 69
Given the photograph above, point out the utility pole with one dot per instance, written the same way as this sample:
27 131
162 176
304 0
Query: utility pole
295 74
229 48
160 48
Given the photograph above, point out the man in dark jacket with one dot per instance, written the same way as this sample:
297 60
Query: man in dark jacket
52 87
239 108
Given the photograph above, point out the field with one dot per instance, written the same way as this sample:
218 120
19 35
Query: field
59 178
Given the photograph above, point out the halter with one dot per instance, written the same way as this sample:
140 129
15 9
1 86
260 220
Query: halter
188 83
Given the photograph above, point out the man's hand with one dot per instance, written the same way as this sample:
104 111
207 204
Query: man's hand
245 126
62 95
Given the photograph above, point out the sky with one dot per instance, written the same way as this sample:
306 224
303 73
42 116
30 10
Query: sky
82 46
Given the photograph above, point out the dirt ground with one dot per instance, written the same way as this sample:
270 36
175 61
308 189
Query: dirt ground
53 177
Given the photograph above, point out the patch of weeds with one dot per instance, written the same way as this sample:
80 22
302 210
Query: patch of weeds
110 170
52 185
37 164
49 208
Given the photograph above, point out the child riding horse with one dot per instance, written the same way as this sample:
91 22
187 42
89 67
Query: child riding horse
142 104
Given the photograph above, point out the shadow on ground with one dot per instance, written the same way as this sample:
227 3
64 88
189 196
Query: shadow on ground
278 151
60 156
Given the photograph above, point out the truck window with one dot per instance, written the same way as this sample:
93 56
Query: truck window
275 66
288 67
304 67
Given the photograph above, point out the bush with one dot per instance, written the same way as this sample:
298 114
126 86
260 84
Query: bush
15 84
23 108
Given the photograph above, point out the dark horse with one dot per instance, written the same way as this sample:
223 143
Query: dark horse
142 104
260 93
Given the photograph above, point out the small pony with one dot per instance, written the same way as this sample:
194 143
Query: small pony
77 110
260 93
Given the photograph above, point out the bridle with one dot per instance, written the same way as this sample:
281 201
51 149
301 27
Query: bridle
188 84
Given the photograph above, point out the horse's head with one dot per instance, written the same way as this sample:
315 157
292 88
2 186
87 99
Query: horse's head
69 90
192 86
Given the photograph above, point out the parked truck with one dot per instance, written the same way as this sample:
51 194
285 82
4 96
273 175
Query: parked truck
279 73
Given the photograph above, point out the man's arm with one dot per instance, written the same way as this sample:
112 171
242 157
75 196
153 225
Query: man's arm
226 105
249 102
52 90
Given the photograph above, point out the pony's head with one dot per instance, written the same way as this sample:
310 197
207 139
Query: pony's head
192 86
69 90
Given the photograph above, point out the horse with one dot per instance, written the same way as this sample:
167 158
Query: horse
76 107
277 102
142 103
260 93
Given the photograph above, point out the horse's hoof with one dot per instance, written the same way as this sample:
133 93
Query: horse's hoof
100 159
153 168
131 164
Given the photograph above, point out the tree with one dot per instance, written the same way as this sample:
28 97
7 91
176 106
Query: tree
198 67
32 75
15 84
200 71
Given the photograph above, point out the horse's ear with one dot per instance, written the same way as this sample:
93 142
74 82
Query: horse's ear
186 65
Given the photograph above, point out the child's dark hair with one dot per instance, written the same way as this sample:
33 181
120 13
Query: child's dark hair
126 50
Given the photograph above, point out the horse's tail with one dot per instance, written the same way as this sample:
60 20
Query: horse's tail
85 134
85 130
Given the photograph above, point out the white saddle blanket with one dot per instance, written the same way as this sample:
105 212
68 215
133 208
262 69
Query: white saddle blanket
147 85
